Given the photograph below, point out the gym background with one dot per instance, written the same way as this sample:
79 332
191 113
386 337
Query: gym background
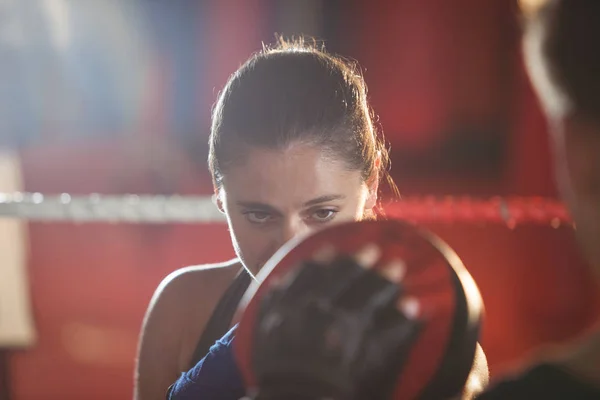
114 97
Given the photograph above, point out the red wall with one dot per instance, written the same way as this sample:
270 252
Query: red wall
92 283
535 287
430 64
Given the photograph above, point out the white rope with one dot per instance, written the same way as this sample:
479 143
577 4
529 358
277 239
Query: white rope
102 208
201 209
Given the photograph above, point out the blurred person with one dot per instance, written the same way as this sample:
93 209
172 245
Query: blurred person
293 149
561 45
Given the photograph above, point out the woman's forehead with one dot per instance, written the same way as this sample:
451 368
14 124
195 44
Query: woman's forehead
298 172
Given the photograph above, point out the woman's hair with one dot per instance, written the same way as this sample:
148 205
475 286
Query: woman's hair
296 92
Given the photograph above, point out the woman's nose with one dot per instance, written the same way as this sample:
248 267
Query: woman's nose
293 228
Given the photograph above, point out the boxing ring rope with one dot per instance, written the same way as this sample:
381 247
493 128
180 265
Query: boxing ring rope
511 211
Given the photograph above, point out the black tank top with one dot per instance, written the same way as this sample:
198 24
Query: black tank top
220 320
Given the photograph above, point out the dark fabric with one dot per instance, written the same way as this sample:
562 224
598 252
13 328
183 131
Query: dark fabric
220 320
215 377
545 381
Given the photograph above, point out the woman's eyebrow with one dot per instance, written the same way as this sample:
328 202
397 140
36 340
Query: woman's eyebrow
256 205
324 199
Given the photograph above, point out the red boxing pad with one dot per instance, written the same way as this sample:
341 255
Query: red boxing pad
450 304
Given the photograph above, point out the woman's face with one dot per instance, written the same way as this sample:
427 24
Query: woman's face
273 196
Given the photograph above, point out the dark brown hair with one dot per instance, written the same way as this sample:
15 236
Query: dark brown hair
566 36
297 92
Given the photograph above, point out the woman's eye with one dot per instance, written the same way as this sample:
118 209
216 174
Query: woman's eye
323 215
257 217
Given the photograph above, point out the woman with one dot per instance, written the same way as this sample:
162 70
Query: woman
293 148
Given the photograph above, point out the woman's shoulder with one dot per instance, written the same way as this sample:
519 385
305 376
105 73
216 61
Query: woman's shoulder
199 279
175 319
191 287
183 303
